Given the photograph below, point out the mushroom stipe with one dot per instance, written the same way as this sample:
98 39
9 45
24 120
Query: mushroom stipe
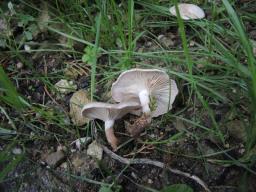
145 92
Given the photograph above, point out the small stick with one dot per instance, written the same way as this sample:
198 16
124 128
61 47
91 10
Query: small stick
155 163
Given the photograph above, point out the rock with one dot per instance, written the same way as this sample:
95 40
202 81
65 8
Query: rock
150 181
77 101
19 65
55 158
16 151
64 86
27 48
82 163
64 165
95 150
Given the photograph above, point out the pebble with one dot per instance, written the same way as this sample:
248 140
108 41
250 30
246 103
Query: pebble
19 65
55 158
95 150
150 181
64 86
16 151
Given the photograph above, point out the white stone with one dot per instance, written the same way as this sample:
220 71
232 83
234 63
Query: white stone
64 86
16 151
95 150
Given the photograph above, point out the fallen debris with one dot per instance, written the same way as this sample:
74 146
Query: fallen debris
55 158
95 150
64 86
77 101
157 164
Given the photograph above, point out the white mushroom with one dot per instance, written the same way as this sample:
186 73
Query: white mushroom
109 113
155 90
188 11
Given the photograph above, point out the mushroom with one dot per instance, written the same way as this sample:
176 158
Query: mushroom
109 113
188 11
153 87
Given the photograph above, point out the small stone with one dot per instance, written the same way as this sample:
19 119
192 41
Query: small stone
55 158
64 86
27 48
150 181
16 151
241 151
226 145
64 165
192 43
95 150
19 65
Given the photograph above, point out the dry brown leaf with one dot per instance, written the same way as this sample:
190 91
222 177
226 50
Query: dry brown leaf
77 101
75 69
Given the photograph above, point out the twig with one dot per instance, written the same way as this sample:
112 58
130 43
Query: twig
141 150
157 164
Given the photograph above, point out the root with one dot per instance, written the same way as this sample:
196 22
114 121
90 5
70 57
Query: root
157 164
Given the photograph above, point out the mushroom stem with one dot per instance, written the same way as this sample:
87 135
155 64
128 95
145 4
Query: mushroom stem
109 131
144 100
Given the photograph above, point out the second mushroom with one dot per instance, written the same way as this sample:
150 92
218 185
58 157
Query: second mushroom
109 113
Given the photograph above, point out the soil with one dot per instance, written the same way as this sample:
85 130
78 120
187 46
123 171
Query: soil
32 175
77 171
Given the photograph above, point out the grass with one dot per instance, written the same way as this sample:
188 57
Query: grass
218 70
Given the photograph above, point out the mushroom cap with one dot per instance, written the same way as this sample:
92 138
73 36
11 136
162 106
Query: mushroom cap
188 11
130 83
107 111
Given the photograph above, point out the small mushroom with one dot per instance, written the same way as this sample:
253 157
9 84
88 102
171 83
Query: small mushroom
155 90
188 11
109 113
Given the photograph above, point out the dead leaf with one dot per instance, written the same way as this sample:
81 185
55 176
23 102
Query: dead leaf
75 69
55 158
77 101
64 86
